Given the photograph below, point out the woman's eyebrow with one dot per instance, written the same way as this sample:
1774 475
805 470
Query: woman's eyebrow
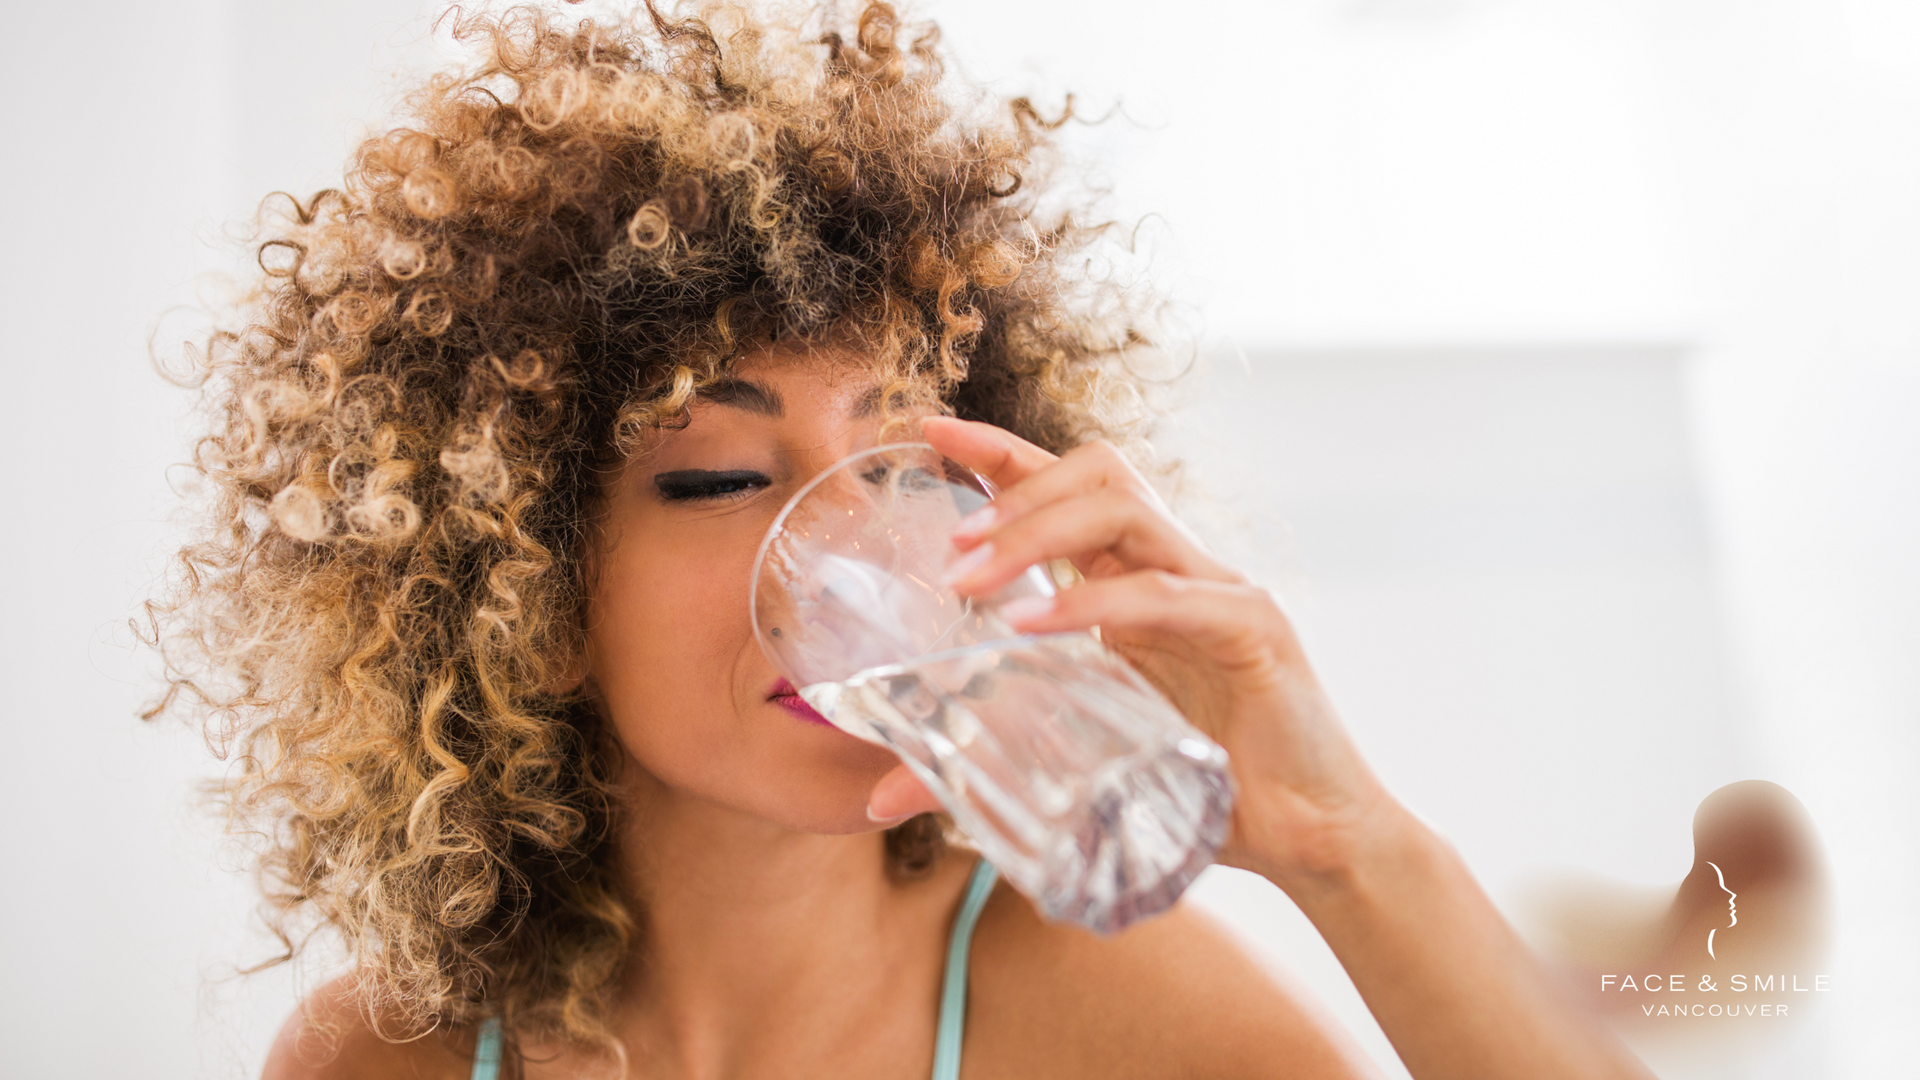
748 395
765 400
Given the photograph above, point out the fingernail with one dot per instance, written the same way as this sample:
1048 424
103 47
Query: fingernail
961 568
977 522
1026 609
888 821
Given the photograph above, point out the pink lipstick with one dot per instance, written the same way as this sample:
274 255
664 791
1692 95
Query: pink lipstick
785 696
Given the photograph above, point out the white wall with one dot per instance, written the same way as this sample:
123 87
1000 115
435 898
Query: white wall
1563 365
103 917
131 146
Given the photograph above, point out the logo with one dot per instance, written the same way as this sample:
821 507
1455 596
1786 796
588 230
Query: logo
1733 913
1764 945
1715 983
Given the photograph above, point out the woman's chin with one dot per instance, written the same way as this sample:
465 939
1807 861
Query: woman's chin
832 798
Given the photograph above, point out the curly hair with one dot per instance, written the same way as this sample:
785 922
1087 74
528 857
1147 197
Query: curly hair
561 248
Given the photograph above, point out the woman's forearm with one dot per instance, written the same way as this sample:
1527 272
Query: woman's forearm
1457 992
1454 989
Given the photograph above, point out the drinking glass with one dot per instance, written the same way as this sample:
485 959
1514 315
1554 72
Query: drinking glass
1069 771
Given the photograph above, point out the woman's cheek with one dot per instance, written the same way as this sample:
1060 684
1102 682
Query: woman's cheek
666 642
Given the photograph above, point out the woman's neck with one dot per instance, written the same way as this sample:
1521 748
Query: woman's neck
762 944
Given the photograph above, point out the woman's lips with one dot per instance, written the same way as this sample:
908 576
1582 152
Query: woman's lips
785 696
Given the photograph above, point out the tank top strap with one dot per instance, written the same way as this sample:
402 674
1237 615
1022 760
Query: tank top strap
953 989
486 1050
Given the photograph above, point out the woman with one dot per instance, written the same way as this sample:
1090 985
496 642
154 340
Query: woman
490 462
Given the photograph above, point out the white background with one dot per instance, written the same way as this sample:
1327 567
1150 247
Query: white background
1563 363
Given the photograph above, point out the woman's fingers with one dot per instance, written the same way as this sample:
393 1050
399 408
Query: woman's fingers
1087 469
1027 476
1002 457
1077 506
898 796
1239 625
1110 520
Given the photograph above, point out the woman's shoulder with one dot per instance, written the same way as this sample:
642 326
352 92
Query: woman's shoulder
1174 995
329 1038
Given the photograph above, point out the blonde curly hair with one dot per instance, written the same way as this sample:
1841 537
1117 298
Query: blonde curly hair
563 246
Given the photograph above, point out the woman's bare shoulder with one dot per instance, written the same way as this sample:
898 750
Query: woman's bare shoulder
1175 995
328 1038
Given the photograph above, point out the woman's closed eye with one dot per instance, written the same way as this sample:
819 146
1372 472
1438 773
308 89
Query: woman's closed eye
684 485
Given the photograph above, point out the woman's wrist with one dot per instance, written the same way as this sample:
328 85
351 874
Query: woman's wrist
1338 853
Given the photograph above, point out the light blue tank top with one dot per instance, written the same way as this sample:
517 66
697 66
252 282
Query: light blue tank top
953 990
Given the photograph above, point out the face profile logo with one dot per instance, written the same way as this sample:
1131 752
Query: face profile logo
1733 913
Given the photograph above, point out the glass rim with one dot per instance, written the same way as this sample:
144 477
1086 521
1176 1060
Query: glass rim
793 501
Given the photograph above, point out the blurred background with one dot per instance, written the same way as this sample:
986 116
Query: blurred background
1561 367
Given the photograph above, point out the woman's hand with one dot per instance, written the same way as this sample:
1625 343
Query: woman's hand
1451 984
1218 645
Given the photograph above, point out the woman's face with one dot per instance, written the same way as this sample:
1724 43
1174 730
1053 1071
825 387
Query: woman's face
670 645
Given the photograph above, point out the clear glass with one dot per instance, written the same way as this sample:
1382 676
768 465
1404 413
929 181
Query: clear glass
1075 777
